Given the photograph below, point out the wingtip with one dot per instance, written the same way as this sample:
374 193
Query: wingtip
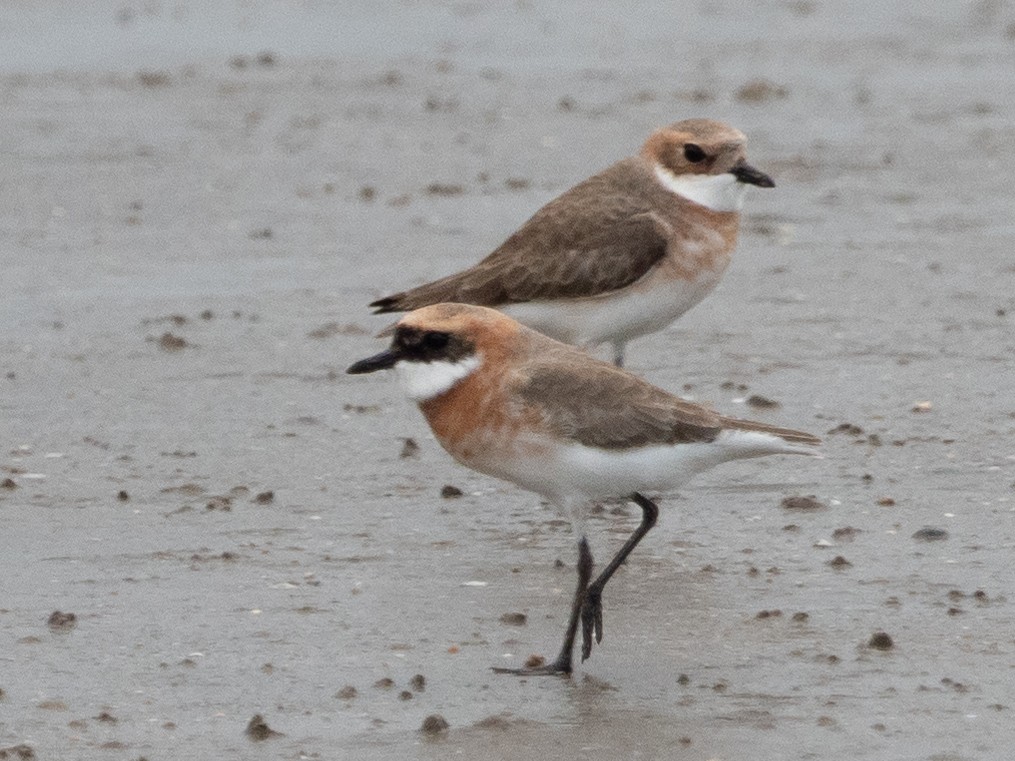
385 306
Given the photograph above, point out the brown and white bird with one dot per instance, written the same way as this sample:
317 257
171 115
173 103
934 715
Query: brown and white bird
507 401
623 253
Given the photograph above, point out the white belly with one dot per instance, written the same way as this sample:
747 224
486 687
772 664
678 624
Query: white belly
617 317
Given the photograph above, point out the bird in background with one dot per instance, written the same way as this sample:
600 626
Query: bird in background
512 403
622 254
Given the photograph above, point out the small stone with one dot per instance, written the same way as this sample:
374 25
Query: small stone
347 693
61 622
418 683
265 498
258 729
170 342
761 402
8 483
800 617
434 724
409 448
683 680
930 534
845 534
886 502
534 661
122 495
405 695
384 683
451 492
802 503
839 563
514 619
880 641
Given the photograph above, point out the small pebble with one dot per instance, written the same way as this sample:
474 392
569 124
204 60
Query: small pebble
880 641
258 729
384 683
61 622
122 495
802 503
409 448
434 724
405 695
839 562
451 492
514 619
347 693
534 661
265 498
930 534
418 683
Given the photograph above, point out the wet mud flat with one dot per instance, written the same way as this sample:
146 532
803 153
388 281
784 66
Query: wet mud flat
207 521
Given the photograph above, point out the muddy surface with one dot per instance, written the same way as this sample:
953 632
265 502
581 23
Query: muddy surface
216 544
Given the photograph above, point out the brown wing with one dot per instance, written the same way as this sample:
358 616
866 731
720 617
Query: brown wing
597 237
599 405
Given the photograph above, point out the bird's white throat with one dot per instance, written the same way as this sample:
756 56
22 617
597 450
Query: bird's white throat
718 192
425 380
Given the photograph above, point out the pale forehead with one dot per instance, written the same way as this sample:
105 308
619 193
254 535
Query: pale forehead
449 317
708 130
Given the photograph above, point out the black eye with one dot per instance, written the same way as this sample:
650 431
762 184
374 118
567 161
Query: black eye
693 153
435 340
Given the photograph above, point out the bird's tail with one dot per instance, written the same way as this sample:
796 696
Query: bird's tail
753 439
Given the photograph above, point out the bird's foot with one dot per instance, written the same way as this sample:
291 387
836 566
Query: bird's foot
592 620
559 667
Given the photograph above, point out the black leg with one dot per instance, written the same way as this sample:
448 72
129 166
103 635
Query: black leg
562 663
592 605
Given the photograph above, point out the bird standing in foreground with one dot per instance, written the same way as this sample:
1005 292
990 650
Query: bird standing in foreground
510 402
622 254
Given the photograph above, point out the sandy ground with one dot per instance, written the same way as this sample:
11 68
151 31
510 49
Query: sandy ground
196 204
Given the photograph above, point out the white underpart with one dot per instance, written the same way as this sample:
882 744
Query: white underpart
718 192
575 472
615 317
425 380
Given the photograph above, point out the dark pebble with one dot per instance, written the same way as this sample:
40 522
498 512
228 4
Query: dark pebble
839 562
258 729
761 402
405 695
434 724
418 683
451 492
265 498
122 495
534 661
802 503
61 622
409 448
169 342
8 483
347 693
880 641
930 535
384 683
514 619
